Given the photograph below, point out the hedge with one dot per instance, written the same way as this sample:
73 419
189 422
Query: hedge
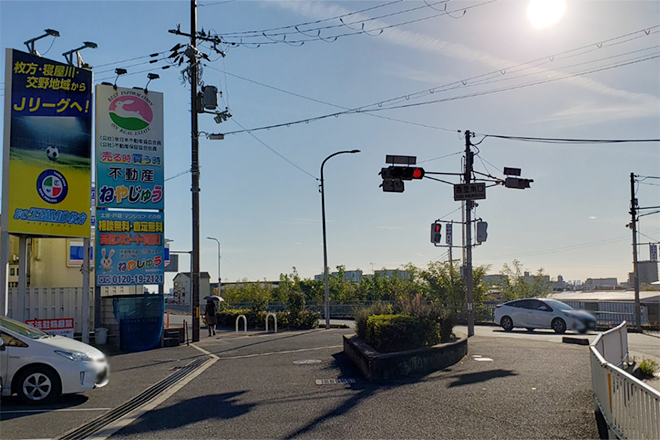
389 333
305 319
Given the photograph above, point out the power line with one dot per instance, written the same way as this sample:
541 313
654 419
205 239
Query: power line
561 249
440 157
309 23
327 103
333 38
453 85
570 141
276 152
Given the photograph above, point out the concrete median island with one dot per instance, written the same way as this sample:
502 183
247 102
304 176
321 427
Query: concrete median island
378 367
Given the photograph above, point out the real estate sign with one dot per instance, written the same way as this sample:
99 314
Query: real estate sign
47 147
129 248
129 148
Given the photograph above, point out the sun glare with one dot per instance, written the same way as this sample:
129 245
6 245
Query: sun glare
544 13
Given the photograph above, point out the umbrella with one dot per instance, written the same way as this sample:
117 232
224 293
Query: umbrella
213 298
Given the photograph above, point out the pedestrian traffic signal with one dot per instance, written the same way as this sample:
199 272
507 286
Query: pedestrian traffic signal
436 232
482 232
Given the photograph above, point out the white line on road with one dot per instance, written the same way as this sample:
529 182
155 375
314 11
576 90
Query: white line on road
136 414
46 410
280 352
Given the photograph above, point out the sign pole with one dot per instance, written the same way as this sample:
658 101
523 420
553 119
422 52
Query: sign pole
85 292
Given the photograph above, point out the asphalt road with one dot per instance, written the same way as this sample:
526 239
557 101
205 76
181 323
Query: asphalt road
272 386
527 390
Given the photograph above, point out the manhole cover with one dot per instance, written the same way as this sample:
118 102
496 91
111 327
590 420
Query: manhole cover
307 361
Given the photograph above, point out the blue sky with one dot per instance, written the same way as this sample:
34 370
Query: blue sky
593 74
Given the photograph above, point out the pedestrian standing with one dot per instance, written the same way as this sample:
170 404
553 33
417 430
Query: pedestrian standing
211 319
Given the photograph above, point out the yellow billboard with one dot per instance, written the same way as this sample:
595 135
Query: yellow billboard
48 123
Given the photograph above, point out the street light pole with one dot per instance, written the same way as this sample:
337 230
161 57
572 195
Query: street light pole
325 245
219 279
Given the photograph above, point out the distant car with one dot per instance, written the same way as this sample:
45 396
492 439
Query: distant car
39 367
543 313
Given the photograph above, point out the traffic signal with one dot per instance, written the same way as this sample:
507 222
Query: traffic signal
407 173
393 177
390 183
436 232
482 232
517 183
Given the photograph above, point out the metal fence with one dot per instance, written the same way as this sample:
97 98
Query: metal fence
607 313
627 406
611 312
49 303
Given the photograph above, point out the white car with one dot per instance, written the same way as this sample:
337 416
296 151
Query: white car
39 367
536 313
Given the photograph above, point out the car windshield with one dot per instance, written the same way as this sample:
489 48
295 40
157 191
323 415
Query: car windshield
22 329
558 305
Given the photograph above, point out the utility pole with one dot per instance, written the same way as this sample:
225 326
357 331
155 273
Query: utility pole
468 237
633 226
194 170
197 107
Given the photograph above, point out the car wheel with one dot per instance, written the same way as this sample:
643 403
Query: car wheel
558 325
530 329
507 324
38 385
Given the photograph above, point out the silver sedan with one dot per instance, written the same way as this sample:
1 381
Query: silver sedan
533 313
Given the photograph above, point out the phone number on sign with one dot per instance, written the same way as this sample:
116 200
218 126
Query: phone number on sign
129 280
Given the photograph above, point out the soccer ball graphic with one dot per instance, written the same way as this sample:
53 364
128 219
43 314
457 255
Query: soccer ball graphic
53 153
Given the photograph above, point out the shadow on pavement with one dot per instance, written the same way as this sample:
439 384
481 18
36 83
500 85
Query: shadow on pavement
14 408
344 408
189 412
481 376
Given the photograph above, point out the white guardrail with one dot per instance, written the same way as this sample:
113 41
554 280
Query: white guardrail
629 408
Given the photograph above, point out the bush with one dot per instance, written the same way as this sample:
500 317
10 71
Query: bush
306 319
389 333
447 323
296 302
227 318
361 316
648 367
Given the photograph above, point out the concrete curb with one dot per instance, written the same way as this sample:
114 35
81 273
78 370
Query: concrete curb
378 367
577 341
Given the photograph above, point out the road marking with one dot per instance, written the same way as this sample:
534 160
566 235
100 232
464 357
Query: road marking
245 356
46 410
152 404
307 361
483 359
333 381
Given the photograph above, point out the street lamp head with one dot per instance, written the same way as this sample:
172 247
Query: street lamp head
355 151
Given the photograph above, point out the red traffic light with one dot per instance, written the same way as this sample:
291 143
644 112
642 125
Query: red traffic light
418 173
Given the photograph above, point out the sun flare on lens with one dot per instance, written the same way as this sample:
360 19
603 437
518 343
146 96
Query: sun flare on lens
544 13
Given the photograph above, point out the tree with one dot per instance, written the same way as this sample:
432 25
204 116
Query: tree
519 284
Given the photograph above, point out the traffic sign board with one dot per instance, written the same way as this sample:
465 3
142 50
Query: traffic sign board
469 191
400 160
